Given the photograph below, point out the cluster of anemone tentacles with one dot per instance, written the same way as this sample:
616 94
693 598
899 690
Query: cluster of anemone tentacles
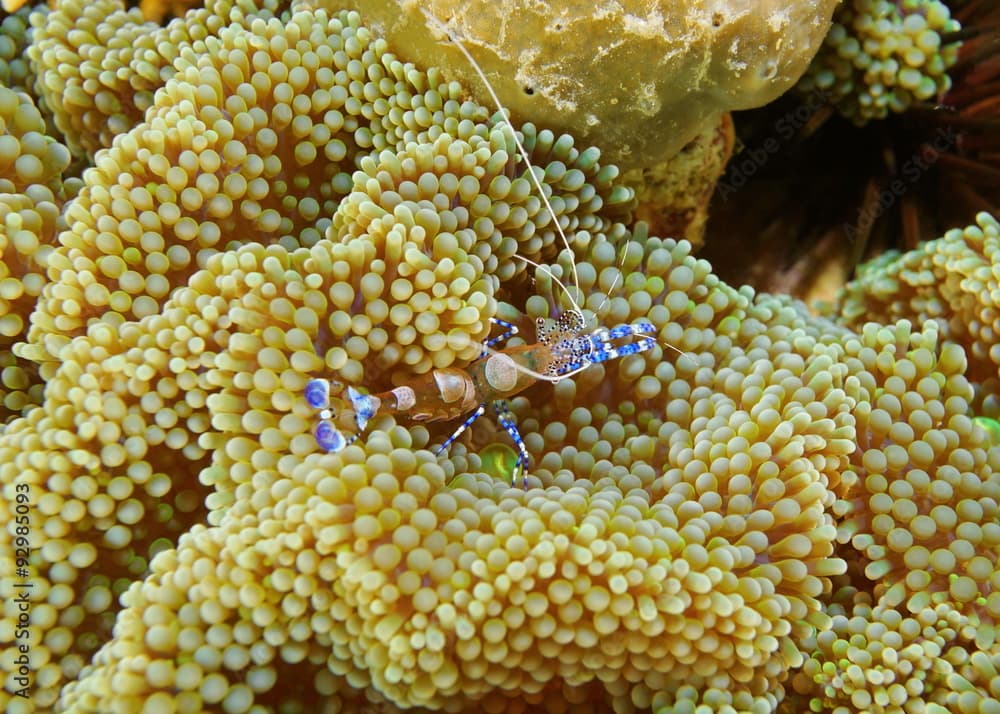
884 56
296 202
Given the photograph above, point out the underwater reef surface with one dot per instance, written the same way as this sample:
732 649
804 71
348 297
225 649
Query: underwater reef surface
784 513
641 79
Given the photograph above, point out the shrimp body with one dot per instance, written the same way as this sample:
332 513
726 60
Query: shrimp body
449 393
562 350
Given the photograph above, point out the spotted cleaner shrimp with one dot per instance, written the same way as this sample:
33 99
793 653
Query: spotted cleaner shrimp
563 348
444 394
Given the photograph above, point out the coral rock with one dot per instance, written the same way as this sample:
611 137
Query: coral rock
638 80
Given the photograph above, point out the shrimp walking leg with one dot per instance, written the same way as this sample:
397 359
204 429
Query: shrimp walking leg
510 328
469 420
506 420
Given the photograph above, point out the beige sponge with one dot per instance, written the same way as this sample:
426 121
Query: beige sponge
638 79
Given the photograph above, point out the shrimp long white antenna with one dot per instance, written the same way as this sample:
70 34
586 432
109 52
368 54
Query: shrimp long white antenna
552 275
614 283
520 147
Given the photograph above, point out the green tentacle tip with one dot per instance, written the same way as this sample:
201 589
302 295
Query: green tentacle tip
500 462
729 325
991 427
462 481
619 195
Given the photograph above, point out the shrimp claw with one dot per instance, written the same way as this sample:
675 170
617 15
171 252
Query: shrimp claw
582 351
